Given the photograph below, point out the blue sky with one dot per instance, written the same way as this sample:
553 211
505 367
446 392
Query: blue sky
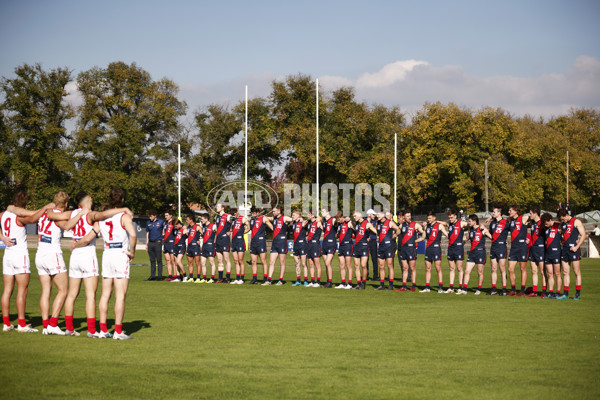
538 57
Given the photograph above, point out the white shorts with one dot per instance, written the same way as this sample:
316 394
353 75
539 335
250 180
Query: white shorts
83 264
115 264
50 263
15 263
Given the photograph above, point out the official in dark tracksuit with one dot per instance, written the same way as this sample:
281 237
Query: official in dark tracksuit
154 230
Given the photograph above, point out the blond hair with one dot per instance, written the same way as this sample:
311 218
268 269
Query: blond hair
61 199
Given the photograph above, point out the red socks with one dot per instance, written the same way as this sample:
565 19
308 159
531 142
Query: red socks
91 325
119 328
69 322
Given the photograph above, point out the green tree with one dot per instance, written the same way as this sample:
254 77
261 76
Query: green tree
127 134
32 130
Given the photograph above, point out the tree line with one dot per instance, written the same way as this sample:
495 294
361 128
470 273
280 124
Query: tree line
126 130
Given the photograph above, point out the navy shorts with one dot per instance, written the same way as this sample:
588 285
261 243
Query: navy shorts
169 248
385 252
208 250
433 253
222 244
518 253
408 253
299 250
498 252
536 254
279 247
238 246
179 250
258 247
345 250
477 257
567 255
456 254
313 250
193 251
360 251
552 258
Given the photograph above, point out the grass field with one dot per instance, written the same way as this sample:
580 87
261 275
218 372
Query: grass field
242 341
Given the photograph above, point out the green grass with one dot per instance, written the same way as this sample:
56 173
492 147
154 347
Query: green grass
234 341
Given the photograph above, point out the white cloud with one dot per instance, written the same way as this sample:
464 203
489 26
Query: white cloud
389 74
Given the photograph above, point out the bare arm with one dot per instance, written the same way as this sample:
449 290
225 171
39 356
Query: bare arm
287 219
35 216
371 228
128 225
69 223
485 231
444 230
396 229
101 216
419 229
20 212
582 235
268 223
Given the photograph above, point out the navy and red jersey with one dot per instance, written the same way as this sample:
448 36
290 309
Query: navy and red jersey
168 236
552 239
314 232
329 231
384 233
237 230
299 231
499 231
433 235
360 238
208 234
179 242
279 231
518 232
193 235
345 233
455 235
536 234
222 223
570 234
408 234
257 228
477 239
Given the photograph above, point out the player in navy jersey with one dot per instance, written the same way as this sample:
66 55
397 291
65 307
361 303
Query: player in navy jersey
344 235
329 243
363 228
518 249
179 248
456 250
208 248
313 248
279 246
573 235
387 232
477 235
372 242
223 242
536 251
407 247
299 230
552 238
258 243
168 240
239 228
499 228
193 248
433 251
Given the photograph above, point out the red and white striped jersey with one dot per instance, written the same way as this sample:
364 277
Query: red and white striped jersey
80 230
14 231
49 235
114 234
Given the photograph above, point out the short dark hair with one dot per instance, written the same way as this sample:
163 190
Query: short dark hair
170 212
253 209
192 217
233 210
545 218
407 211
474 217
152 211
516 207
204 215
535 210
562 213
20 199
431 214
80 196
497 207
452 211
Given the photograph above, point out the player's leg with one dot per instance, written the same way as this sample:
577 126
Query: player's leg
381 273
577 270
203 269
90 287
390 267
236 258
342 261
405 267
566 269
523 265
121 285
328 258
190 261
107 288
427 277
73 292
494 272
348 263
220 266
263 260
298 271
22 288
61 282
550 278
227 260
480 278
502 266
438 267
311 267
544 275
46 283
467 277
282 266
254 262
459 266
365 268
357 271
535 267
513 277
213 268
452 273
9 284
412 264
318 269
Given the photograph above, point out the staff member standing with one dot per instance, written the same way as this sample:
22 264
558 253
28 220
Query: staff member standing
154 229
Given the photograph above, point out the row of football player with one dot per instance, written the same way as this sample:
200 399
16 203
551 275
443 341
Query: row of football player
552 247
118 232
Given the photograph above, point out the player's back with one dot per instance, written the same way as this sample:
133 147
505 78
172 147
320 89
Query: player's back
15 232
114 234
80 230
49 235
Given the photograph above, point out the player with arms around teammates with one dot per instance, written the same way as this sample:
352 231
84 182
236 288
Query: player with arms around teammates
573 236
